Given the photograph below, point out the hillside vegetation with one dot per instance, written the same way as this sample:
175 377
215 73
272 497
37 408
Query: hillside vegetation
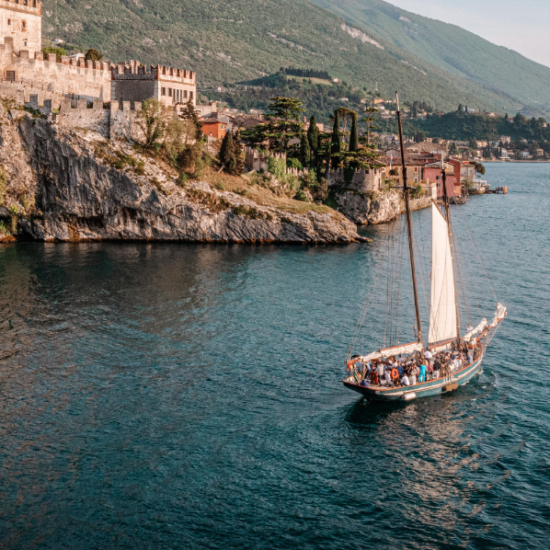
453 49
244 39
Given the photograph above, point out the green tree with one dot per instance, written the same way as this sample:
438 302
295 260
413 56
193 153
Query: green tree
313 134
282 124
227 154
239 154
231 154
93 55
336 140
191 115
480 169
153 119
305 150
353 138
369 119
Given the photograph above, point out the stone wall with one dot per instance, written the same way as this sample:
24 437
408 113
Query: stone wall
77 114
113 120
123 122
85 79
363 181
134 90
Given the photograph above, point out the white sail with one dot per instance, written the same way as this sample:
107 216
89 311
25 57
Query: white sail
443 306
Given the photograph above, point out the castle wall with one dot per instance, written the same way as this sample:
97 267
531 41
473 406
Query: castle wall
77 114
361 180
124 121
88 80
23 23
134 90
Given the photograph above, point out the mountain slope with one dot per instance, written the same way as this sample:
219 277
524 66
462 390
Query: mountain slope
451 48
245 39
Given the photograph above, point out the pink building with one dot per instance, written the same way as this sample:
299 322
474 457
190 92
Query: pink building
433 174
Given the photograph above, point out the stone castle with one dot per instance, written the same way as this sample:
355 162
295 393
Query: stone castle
25 71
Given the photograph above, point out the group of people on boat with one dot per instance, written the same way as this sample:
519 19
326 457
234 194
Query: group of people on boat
415 369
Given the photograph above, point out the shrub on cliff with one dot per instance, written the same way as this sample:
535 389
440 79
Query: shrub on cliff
93 55
57 51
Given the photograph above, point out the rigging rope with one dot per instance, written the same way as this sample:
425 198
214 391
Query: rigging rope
479 257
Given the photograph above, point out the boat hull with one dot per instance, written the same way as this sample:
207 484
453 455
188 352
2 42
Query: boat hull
426 389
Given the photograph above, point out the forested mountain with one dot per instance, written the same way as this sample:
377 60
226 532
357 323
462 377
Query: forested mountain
246 39
453 49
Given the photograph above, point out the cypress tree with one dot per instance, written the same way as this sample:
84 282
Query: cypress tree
305 150
313 134
227 153
353 138
239 155
336 140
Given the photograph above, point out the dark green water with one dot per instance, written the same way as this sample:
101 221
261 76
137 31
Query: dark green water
182 396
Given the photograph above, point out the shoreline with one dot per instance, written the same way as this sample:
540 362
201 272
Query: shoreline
515 161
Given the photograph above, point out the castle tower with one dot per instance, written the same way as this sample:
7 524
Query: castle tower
21 20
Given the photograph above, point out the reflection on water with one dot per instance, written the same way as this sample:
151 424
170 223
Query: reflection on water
156 395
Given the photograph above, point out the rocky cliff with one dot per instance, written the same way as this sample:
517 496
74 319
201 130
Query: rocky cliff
62 185
375 208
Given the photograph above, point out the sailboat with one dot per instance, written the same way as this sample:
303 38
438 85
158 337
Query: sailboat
444 337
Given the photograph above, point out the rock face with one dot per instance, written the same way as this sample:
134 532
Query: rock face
375 208
81 194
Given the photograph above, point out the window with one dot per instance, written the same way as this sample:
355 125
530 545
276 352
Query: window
185 94
163 91
10 75
221 126
23 25
9 21
170 92
25 2
24 43
191 96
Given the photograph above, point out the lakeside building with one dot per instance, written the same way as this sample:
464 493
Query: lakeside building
23 64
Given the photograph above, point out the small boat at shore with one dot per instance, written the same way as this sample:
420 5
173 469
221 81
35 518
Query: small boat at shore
446 360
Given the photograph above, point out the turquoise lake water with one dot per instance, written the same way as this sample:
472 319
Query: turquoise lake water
190 396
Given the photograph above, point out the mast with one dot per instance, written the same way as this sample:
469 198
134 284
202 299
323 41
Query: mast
406 194
448 219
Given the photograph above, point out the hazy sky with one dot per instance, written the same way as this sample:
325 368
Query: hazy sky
523 25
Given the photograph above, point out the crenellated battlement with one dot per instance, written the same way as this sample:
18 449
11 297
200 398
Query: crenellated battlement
134 70
33 7
169 74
